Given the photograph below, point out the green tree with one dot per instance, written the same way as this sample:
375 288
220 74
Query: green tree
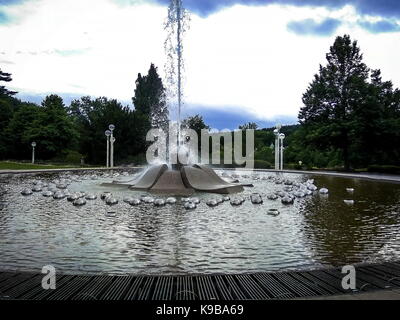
249 126
8 105
150 99
18 128
5 77
53 129
195 123
336 92
92 118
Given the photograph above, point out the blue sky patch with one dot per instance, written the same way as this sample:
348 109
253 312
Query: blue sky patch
380 26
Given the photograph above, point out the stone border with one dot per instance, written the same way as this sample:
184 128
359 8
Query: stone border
364 176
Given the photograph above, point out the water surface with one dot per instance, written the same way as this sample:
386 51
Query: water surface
315 231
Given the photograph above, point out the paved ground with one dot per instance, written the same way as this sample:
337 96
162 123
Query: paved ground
377 295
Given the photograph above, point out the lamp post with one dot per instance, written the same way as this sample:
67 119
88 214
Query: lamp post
281 138
112 140
108 134
277 149
33 152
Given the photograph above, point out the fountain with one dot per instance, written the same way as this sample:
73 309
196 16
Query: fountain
178 179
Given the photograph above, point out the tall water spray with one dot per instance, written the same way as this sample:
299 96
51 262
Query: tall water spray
176 25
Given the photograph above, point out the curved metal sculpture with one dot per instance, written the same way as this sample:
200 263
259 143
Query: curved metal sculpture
180 181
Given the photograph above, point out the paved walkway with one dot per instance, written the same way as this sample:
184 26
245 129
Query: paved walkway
376 295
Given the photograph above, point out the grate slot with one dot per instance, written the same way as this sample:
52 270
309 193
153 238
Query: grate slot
164 289
253 289
206 288
70 289
185 289
95 287
117 288
271 285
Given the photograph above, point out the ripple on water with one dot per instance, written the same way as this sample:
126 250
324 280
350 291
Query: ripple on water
314 231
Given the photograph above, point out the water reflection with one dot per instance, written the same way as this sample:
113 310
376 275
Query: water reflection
317 230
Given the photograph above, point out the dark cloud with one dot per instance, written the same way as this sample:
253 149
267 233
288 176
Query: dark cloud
232 117
311 27
380 26
384 8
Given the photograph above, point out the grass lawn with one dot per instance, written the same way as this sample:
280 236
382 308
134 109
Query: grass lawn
5 165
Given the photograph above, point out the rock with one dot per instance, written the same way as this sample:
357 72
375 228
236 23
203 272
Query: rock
323 191
62 186
350 190
189 206
135 202
226 199
128 199
37 188
47 194
312 187
79 202
148 200
111 201
73 197
194 200
280 194
105 195
59 195
91 197
26 192
287 200
349 202
236 202
273 212
171 200
256 199
212 203
272 197
159 202
299 194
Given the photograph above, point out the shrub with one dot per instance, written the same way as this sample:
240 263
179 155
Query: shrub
73 157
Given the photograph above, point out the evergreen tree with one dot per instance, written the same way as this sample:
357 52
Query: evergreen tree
150 99
6 77
336 92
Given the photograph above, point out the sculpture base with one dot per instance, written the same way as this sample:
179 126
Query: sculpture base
182 180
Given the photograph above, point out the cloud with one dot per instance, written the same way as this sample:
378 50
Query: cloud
242 56
381 26
310 27
384 8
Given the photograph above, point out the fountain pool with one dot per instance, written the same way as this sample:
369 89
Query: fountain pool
316 230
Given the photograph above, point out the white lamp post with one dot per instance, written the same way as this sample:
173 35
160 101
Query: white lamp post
33 152
281 138
108 134
277 149
112 140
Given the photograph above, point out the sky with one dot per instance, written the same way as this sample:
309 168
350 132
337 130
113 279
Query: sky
244 60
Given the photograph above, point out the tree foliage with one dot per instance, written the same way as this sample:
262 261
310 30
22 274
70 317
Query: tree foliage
349 109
